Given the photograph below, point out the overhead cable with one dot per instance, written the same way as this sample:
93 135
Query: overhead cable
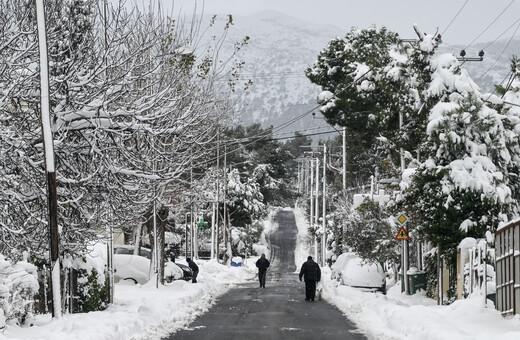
491 24
455 17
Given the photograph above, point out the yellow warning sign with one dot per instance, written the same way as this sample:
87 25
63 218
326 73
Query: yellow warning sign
402 235
402 219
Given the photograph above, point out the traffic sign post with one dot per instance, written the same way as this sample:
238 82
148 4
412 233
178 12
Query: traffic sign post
402 235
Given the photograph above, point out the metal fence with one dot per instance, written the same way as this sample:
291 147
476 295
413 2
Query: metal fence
507 256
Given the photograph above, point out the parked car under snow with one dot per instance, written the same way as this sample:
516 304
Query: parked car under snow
350 270
136 268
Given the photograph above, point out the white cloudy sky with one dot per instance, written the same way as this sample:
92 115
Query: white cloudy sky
398 15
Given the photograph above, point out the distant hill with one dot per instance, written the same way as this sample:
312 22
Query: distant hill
282 47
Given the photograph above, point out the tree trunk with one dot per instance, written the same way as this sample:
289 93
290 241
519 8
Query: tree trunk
162 214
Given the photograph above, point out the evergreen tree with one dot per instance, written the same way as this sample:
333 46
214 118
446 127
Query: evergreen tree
465 185
369 232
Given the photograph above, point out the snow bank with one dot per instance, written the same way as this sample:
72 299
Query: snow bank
399 316
141 312
270 226
303 242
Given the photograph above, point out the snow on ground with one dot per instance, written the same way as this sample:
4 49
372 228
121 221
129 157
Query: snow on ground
398 316
303 244
270 226
141 312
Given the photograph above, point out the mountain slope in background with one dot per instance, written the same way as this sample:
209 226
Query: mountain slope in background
282 47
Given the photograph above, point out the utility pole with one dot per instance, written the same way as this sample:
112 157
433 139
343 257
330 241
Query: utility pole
213 230
156 239
48 142
311 195
196 234
225 205
191 207
344 160
405 253
324 236
186 233
298 180
109 228
217 239
317 206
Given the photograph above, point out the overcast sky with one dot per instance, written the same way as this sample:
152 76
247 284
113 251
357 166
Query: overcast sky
398 15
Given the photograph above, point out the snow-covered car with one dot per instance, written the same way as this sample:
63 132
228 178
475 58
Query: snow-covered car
186 272
136 268
350 270
132 268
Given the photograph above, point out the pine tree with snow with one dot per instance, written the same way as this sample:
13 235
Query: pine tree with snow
465 184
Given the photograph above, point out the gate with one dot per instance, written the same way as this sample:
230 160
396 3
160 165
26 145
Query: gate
507 242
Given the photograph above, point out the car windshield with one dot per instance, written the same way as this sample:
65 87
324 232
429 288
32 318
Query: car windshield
125 251
130 251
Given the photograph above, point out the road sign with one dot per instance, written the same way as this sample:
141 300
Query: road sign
402 235
402 219
202 224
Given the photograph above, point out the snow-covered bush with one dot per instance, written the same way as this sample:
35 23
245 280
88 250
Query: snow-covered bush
18 286
92 296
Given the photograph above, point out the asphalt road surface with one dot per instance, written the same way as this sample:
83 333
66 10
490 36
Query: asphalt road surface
278 311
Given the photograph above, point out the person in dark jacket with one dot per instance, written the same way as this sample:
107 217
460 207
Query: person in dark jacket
312 274
194 268
262 264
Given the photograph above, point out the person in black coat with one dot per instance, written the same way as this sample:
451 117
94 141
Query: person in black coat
312 274
262 264
194 269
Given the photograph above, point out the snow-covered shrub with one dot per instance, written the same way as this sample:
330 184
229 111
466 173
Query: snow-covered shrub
92 296
92 290
18 286
2 319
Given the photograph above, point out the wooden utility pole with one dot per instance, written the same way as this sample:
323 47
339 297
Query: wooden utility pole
48 143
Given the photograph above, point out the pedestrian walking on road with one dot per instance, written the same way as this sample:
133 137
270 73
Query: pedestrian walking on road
312 274
194 268
262 264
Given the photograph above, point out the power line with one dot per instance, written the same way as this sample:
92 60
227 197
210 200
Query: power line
304 135
492 42
276 107
274 73
302 130
491 24
510 74
455 17
265 77
260 136
503 102
263 136
501 53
